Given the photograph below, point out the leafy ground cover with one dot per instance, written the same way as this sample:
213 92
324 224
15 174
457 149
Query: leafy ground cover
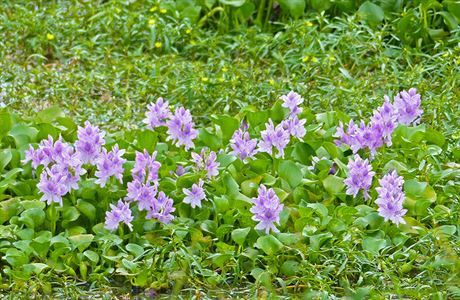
63 64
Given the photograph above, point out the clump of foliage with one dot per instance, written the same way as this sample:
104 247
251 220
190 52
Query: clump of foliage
273 197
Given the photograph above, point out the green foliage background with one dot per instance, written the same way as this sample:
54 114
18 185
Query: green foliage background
67 61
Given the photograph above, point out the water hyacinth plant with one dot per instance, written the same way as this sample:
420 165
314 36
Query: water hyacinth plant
262 184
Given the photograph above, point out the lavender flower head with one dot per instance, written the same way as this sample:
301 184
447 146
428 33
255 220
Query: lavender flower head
360 176
146 167
180 129
384 121
348 137
295 127
89 143
53 187
195 195
391 198
162 209
158 113
292 101
273 136
119 213
206 162
266 209
407 105
110 164
242 144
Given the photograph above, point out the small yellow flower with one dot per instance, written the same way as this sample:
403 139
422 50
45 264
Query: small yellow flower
305 58
158 45
224 69
204 79
332 58
458 61
188 31
152 22
308 24
50 36
271 81
117 10
222 79
153 9
445 54
314 59
163 10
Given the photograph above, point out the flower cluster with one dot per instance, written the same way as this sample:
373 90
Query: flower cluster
360 176
405 110
266 209
292 101
206 162
119 213
158 113
407 106
272 136
391 198
242 144
180 124
195 195
144 188
110 164
89 143
62 168
180 128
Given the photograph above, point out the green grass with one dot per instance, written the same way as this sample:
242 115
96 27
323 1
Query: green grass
102 64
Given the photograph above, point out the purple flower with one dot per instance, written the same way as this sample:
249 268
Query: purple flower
292 101
195 195
158 113
295 127
119 213
350 137
274 137
180 129
383 122
162 209
391 198
407 106
145 196
180 170
53 186
266 209
360 176
146 167
206 162
110 164
242 144
89 143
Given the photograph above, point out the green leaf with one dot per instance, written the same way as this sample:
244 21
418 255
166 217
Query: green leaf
234 3
373 245
333 184
371 13
321 5
69 214
277 112
49 115
239 235
288 238
295 8
5 158
209 139
35 268
135 249
32 217
81 241
290 268
290 172
87 209
269 244
6 123
92 256
227 125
